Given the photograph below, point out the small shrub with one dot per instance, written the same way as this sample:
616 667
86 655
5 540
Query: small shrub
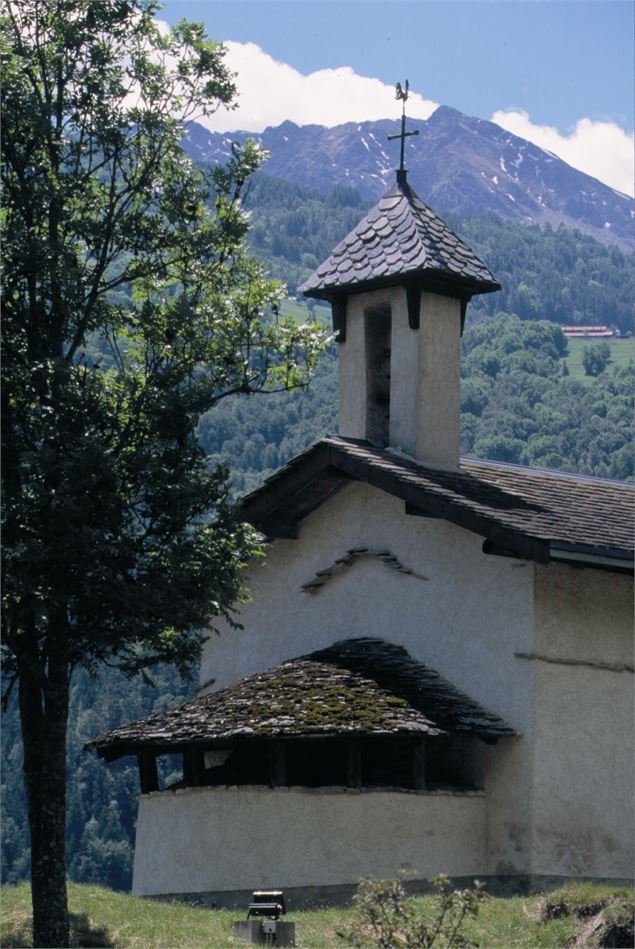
387 918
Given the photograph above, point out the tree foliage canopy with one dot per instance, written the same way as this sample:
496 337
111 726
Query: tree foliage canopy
596 358
113 237
120 540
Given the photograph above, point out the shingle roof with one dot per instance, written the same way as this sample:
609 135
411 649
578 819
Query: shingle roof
528 510
359 686
400 237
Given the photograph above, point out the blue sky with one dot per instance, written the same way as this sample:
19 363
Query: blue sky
559 72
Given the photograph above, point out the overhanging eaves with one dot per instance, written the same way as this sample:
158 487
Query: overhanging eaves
313 477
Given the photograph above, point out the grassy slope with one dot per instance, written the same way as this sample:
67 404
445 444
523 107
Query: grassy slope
301 313
105 918
621 354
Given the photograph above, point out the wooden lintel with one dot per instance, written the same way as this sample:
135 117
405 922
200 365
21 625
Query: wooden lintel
353 764
498 550
259 508
338 312
148 774
413 297
278 764
419 763
280 529
415 511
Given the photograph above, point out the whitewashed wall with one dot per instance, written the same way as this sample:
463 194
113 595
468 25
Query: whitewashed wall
466 620
213 839
425 374
583 790
558 798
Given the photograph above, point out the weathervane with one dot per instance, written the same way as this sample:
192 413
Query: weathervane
402 93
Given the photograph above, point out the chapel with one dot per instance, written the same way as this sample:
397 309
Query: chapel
435 672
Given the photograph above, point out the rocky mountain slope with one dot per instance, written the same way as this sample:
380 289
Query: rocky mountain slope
457 164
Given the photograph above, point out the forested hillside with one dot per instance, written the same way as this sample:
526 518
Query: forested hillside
520 404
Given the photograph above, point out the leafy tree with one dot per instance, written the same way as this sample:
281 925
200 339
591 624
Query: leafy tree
120 539
595 358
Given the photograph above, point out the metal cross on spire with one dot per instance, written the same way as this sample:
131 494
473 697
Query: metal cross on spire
402 94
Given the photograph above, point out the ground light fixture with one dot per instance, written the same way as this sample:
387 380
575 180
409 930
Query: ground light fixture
263 925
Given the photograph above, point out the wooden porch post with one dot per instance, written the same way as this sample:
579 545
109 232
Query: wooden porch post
278 764
192 767
419 763
353 764
148 774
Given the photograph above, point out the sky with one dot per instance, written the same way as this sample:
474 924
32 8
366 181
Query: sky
557 72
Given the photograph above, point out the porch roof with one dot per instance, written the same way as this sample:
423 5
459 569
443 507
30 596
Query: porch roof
355 687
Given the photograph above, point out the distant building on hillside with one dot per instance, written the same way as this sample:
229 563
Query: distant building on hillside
591 332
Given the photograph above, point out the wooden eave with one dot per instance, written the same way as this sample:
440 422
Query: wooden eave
430 281
313 477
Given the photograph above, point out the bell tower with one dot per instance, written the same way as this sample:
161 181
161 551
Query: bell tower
399 285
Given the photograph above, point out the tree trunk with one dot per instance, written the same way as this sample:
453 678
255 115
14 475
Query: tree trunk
43 716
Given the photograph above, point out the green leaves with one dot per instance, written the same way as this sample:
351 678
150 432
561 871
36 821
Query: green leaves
596 358
385 916
131 307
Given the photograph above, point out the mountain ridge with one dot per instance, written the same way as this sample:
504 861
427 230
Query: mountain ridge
457 163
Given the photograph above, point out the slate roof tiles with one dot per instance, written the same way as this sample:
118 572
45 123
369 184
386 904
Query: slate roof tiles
400 237
551 508
359 686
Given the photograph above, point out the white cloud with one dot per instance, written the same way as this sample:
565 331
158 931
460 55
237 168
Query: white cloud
271 91
601 149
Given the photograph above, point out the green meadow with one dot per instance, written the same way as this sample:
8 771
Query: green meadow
622 352
102 918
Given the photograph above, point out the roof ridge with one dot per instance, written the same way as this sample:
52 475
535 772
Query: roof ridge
550 472
472 459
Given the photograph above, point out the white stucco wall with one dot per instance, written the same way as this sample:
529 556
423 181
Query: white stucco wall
438 401
466 620
465 614
424 374
583 791
215 839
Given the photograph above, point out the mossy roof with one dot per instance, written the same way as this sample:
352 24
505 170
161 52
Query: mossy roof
356 687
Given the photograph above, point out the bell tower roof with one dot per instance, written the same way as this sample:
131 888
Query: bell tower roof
401 239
